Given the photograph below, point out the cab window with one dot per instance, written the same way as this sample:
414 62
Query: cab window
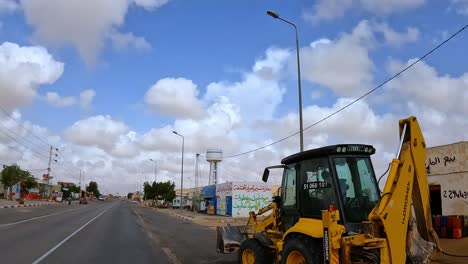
357 187
317 187
289 186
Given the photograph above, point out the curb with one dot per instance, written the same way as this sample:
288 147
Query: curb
188 218
24 205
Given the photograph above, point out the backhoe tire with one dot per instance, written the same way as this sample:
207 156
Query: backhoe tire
301 250
251 251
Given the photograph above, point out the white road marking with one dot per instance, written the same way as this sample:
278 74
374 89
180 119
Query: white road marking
2 227
68 237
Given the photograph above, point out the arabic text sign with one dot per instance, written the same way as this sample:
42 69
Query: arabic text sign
248 197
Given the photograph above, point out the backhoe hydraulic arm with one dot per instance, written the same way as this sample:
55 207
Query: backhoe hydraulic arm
406 196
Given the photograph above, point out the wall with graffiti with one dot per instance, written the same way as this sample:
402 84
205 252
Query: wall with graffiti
223 191
239 198
249 196
447 166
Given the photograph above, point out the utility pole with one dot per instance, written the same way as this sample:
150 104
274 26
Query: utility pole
155 167
80 180
155 170
48 168
50 161
196 170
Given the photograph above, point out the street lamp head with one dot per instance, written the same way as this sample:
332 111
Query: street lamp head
175 132
151 159
272 14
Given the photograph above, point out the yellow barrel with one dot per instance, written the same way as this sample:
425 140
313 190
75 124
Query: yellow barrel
211 210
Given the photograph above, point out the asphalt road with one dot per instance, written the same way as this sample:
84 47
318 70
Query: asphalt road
113 231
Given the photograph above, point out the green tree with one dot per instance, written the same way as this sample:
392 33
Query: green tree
151 190
74 189
93 187
13 174
71 189
27 181
166 190
10 175
129 195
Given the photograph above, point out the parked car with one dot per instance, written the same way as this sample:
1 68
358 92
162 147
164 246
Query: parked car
102 198
83 201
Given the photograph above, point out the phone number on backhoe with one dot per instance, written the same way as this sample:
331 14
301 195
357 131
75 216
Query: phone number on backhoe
454 194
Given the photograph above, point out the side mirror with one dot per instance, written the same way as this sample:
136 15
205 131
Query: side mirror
266 173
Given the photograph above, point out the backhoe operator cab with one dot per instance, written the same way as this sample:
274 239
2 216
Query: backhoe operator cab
340 176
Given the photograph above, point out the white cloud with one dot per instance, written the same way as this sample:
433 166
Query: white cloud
56 100
151 4
460 6
126 146
99 131
83 24
22 71
125 41
213 131
438 100
395 38
343 65
327 10
259 87
86 98
386 7
176 97
8 5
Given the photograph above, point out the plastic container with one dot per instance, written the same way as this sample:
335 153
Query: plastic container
211 210
457 221
443 221
437 221
443 232
450 222
457 233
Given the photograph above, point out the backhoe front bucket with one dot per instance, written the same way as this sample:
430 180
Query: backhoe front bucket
228 239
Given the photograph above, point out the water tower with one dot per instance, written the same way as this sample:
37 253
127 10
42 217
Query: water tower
213 156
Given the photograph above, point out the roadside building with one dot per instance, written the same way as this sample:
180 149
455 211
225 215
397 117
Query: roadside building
66 184
237 199
447 171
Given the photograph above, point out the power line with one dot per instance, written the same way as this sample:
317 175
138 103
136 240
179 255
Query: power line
15 139
19 123
356 100
64 159
20 137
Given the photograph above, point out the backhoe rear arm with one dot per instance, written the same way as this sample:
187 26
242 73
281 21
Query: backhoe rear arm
406 186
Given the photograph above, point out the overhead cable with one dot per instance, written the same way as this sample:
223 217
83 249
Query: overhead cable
356 100
15 139
19 123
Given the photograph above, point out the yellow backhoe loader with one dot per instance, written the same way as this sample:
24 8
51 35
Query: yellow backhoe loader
329 209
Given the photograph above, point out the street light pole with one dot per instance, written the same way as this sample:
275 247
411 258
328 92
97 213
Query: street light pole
182 170
155 168
301 132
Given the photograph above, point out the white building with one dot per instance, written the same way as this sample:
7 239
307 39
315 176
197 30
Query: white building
447 171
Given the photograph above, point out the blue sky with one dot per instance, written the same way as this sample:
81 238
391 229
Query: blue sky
220 42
